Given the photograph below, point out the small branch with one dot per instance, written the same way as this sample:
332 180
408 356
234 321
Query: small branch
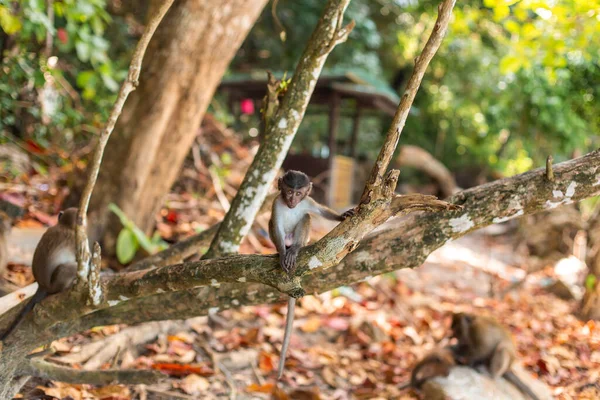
94 276
46 370
549 171
421 64
340 35
131 82
280 133
270 101
50 15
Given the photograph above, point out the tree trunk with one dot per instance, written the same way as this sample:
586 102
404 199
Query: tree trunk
184 63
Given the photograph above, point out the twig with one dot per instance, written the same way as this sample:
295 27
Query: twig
230 381
278 24
549 170
50 15
421 63
214 177
131 82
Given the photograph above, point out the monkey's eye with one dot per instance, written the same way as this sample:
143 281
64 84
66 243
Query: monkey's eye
297 193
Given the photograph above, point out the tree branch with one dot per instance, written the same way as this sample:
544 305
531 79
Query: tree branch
128 86
421 64
47 370
280 132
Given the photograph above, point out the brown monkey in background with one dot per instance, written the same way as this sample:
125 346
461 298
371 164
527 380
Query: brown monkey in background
483 340
54 263
437 363
289 229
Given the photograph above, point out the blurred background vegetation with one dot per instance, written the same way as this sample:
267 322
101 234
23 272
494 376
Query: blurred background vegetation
513 82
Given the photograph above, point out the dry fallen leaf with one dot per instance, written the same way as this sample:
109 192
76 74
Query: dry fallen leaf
265 362
183 369
266 388
311 325
111 392
194 384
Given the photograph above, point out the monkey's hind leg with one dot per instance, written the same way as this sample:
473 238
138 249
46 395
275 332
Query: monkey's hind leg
500 361
63 277
301 237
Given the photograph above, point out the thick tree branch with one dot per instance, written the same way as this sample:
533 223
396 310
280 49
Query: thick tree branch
421 64
128 86
281 131
46 370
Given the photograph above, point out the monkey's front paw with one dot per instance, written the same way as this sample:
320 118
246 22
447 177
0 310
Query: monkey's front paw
350 213
289 262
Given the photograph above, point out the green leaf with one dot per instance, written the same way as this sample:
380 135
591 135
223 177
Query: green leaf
109 82
510 64
501 12
86 78
590 282
8 22
127 246
141 238
83 50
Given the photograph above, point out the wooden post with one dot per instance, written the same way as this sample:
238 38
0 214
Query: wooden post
334 117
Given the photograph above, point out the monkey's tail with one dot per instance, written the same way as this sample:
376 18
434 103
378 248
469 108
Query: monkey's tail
289 322
514 379
39 295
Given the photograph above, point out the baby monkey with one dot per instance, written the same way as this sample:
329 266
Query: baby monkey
483 340
437 363
289 229
54 263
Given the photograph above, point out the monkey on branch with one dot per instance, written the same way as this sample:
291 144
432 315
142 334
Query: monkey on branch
289 229
54 263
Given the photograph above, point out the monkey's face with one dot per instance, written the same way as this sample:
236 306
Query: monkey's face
460 324
292 197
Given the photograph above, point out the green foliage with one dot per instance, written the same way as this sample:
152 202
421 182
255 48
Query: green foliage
502 91
59 97
131 238
590 282
513 81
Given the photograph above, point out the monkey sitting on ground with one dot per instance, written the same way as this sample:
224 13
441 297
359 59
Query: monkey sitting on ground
437 363
483 340
54 263
289 229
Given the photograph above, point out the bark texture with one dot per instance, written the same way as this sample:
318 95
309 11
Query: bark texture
183 65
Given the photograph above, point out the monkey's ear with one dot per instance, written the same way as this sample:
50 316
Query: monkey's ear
279 182
310 185
60 214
